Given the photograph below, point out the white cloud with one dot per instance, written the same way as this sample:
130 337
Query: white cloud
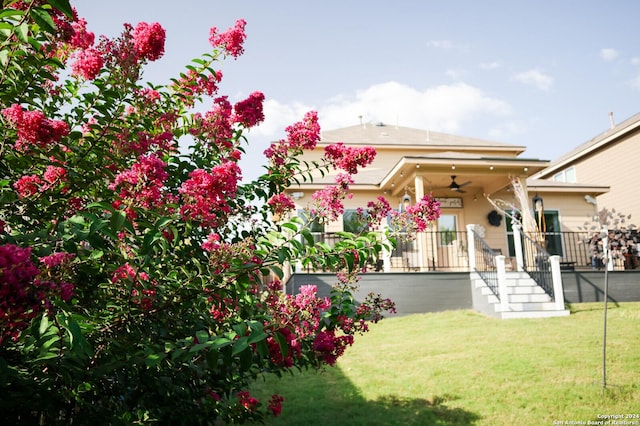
447 108
490 65
444 108
440 44
608 54
278 116
536 78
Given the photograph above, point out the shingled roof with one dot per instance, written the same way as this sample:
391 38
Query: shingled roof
381 134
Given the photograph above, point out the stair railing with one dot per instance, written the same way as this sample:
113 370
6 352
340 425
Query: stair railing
485 263
536 262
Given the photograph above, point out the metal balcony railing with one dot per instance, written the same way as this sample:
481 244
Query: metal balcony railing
447 251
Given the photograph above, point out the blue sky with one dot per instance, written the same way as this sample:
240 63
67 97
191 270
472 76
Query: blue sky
542 74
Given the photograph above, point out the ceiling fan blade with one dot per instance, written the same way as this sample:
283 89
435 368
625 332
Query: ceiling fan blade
465 184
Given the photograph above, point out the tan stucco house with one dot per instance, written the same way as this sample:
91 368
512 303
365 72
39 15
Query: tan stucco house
462 172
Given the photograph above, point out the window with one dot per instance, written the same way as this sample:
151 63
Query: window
447 229
315 225
566 175
353 221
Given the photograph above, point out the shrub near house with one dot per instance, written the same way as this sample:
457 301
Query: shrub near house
130 285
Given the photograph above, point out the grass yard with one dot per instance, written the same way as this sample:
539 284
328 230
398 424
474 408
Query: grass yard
462 368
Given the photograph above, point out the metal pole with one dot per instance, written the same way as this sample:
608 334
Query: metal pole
605 249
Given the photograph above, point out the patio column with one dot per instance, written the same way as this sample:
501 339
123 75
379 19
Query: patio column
502 282
517 243
386 254
471 246
418 182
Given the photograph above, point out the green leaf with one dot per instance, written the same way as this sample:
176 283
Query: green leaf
22 32
240 345
257 336
117 220
202 336
308 237
277 270
62 5
96 254
4 57
43 19
44 323
154 359
290 226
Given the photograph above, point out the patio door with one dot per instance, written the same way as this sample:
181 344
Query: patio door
448 248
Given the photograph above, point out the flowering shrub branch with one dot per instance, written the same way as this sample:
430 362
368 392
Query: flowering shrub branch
139 283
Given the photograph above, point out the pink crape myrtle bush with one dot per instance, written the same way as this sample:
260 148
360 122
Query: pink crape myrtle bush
139 282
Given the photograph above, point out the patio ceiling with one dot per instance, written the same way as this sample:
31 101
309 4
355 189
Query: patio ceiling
485 174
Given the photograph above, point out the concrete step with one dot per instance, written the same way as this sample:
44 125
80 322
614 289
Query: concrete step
515 291
526 290
529 306
534 314
527 298
521 282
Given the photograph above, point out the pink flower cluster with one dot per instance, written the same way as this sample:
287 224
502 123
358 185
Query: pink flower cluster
249 111
33 128
377 211
145 42
87 64
143 292
328 201
215 126
304 134
294 318
81 38
349 158
141 185
142 142
193 84
247 402
19 302
24 293
148 40
56 259
281 204
331 347
204 194
416 218
424 212
275 405
231 41
30 185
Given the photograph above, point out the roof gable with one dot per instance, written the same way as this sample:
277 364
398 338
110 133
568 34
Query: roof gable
608 137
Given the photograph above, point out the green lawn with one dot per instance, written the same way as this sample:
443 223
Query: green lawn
462 368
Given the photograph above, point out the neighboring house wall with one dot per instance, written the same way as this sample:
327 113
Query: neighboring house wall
615 165
608 160
573 210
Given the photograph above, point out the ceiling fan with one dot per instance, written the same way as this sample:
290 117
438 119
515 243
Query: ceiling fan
456 187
